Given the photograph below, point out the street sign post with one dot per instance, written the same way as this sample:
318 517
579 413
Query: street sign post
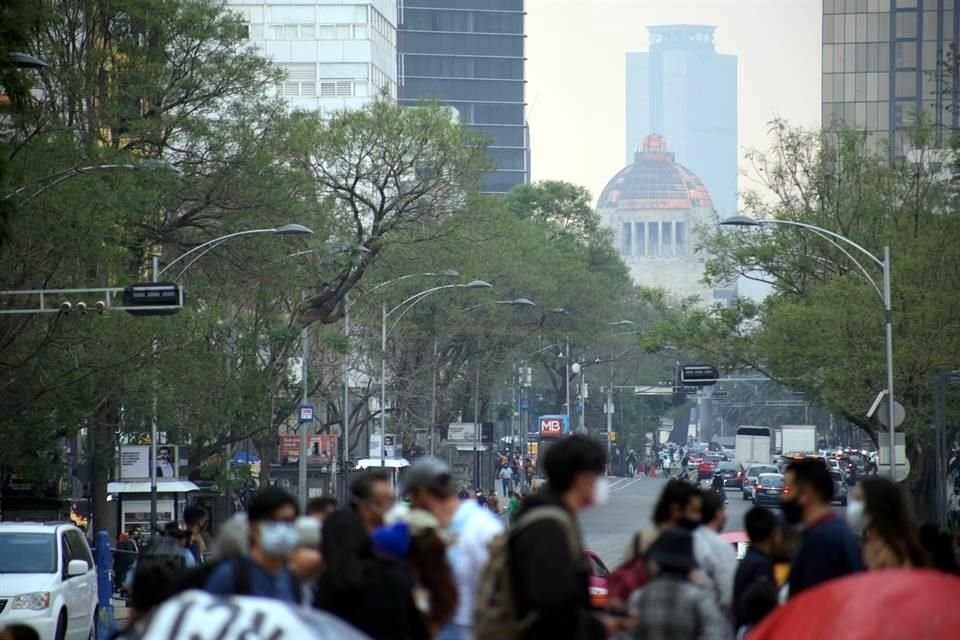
698 375
306 413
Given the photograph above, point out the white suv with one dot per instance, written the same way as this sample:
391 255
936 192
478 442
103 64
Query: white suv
47 580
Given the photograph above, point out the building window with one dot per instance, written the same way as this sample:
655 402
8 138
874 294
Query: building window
906 24
640 236
666 235
626 237
906 55
906 84
336 88
301 80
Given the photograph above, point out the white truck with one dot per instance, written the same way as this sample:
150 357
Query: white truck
753 445
799 439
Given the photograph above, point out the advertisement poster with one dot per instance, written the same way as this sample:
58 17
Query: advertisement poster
553 426
393 448
135 462
321 448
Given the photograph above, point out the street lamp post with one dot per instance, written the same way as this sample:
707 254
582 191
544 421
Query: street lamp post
885 296
477 425
289 229
404 307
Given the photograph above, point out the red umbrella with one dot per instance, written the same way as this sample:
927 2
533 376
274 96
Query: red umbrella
877 605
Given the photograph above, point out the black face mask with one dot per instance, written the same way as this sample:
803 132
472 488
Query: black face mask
792 511
688 524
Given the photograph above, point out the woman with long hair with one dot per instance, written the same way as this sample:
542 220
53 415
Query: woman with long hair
436 590
880 511
366 589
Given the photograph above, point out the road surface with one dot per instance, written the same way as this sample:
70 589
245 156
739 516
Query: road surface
607 529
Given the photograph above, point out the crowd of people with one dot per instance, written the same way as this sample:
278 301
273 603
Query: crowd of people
435 561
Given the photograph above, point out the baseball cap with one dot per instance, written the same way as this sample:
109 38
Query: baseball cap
431 474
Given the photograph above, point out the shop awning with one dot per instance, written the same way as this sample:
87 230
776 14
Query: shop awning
389 463
163 486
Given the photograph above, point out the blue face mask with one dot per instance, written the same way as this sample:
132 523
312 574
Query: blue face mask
278 538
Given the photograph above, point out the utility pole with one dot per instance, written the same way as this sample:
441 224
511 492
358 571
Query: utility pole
346 401
305 400
433 398
153 425
609 409
477 429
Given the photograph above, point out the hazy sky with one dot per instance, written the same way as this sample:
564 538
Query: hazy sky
575 71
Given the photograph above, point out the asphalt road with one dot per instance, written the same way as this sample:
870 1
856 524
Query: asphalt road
607 529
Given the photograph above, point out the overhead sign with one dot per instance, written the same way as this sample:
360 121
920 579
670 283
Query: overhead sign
553 426
698 375
321 447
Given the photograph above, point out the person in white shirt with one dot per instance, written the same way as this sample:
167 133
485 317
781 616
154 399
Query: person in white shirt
716 556
506 479
470 528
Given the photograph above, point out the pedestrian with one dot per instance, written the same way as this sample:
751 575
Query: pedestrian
493 503
125 556
879 510
953 509
757 565
513 504
546 560
828 549
715 555
470 527
179 533
717 485
506 479
372 496
481 498
672 606
195 517
272 536
680 505
936 543
321 507
372 592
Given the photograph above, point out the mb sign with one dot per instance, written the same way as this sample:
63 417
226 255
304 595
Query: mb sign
553 426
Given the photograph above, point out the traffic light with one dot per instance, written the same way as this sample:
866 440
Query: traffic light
698 375
153 299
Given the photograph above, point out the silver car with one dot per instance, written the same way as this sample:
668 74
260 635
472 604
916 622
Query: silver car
750 478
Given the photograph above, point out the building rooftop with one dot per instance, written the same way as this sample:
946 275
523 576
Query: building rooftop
655 181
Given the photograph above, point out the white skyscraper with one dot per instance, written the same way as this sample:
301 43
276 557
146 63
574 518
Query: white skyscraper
337 54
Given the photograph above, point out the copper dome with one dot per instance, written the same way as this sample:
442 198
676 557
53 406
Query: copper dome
655 181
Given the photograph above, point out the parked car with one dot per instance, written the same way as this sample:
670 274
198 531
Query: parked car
768 489
839 487
599 575
732 475
48 580
750 475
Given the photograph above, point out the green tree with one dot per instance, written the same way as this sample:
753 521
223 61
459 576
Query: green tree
820 331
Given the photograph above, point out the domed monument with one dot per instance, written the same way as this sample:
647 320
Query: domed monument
655 207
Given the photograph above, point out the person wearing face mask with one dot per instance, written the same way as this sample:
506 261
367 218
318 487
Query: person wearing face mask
549 586
273 536
827 549
714 554
469 526
372 496
879 510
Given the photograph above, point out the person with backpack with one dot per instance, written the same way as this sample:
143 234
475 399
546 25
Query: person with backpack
536 586
264 571
470 527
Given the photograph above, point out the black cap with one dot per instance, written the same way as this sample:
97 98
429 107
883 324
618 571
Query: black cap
432 474
673 549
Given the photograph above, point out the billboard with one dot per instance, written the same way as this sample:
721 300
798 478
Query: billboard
553 426
135 462
321 447
393 448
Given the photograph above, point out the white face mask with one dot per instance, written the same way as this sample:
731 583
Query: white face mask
601 491
856 515
278 538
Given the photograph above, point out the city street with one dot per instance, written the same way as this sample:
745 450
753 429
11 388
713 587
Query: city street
608 528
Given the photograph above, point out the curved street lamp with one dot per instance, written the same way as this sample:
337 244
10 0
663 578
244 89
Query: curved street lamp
403 307
885 296
292 229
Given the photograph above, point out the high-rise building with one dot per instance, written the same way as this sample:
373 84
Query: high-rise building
685 91
469 54
881 65
337 54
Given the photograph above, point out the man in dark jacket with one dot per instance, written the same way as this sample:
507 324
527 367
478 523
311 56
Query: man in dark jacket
547 581
757 565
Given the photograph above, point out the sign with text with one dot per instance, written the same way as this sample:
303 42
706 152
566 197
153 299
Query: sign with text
306 413
321 447
134 462
553 426
393 448
462 432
